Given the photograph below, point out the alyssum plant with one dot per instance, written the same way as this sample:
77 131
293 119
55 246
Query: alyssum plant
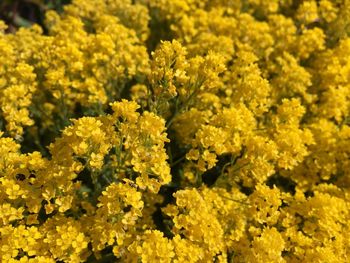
177 131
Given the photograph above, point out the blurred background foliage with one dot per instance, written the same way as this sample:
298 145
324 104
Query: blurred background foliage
23 13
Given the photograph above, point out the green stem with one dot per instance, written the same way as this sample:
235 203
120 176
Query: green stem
178 161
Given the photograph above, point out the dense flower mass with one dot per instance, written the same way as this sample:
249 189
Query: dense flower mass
177 131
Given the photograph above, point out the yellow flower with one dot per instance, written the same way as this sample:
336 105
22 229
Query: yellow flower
154 247
265 204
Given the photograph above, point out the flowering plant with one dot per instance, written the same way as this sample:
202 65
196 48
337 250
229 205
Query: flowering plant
177 131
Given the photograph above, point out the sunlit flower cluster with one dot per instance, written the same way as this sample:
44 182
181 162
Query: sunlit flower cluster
177 131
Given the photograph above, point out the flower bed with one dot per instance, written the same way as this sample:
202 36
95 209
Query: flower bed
177 131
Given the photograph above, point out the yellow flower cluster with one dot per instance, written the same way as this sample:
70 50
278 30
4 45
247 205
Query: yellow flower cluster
177 131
